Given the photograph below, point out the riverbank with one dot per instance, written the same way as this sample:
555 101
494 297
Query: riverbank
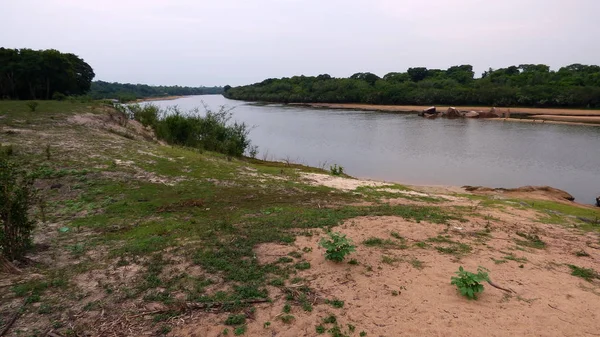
163 98
159 240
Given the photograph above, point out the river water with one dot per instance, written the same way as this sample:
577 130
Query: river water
409 149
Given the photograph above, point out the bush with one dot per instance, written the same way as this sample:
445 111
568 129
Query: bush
336 170
469 283
337 247
212 132
59 96
15 200
32 106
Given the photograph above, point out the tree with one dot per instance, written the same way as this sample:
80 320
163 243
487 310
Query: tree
417 74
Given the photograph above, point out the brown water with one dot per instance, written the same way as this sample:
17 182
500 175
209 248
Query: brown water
409 149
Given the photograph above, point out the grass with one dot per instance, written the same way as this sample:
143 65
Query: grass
587 274
384 243
174 205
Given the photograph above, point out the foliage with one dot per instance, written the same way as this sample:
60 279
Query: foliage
126 92
575 85
235 319
32 105
16 197
41 74
531 240
469 283
337 247
211 132
336 170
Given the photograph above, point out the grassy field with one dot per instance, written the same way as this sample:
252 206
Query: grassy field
133 234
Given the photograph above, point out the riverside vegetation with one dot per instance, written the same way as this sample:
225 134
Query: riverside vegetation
526 85
156 223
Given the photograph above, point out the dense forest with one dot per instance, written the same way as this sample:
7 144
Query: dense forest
42 74
129 92
524 85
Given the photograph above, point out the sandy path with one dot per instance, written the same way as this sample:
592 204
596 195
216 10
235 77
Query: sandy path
414 108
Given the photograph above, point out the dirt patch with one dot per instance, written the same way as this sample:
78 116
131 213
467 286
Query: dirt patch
114 123
411 295
340 182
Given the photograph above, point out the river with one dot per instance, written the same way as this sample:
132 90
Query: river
408 149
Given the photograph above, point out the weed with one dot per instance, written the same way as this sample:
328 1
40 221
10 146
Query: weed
320 329
422 244
469 283
587 274
531 240
353 262
335 303
287 308
302 265
165 329
287 319
337 247
278 282
395 293
240 330
378 242
416 263
512 257
389 260
44 309
351 328
266 325
396 235
48 154
32 105
307 249
225 332
235 319
336 170
362 334
581 253
331 319
285 259
295 254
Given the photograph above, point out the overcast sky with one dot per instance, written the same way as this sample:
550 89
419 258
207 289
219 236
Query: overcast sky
199 42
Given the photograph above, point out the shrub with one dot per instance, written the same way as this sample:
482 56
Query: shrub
59 96
32 106
336 170
469 283
337 247
212 132
15 200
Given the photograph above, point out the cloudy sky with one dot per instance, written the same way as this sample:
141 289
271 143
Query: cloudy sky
199 42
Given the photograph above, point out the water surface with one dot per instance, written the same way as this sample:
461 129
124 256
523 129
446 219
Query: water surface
409 149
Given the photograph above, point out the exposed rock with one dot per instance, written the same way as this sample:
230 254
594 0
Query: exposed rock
547 191
472 114
452 113
429 111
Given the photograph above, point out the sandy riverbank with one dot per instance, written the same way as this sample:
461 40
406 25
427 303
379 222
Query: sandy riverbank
417 108
164 98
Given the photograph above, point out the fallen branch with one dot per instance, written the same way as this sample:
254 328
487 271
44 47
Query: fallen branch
197 306
10 322
499 287
8 267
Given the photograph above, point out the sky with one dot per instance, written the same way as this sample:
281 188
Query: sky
237 42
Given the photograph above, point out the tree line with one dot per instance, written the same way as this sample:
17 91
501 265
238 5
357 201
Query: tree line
42 74
128 92
534 85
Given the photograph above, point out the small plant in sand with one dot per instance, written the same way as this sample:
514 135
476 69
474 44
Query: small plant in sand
336 170
469 284
337 246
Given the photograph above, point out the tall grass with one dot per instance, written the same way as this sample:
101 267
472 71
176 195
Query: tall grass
211 131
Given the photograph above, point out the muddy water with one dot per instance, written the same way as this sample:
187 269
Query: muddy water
409 149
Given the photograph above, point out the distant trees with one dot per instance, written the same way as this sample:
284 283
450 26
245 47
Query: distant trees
40 74
575 85
129 92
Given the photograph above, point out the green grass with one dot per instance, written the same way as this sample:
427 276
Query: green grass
384 243
531 240
587 274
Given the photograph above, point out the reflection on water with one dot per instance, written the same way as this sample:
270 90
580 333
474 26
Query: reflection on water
410 149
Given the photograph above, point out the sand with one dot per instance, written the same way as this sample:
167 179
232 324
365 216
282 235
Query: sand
416 108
